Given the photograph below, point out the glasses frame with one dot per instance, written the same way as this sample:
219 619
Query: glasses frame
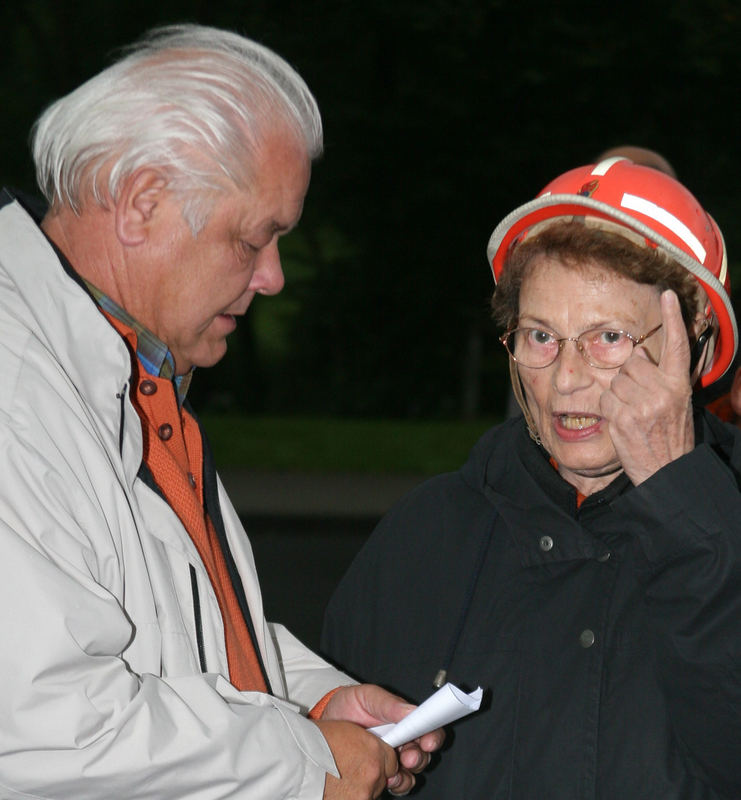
576 340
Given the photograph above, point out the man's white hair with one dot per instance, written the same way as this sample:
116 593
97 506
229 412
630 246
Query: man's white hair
191 100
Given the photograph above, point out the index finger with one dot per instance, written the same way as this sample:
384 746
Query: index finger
415 755
675 350
432 741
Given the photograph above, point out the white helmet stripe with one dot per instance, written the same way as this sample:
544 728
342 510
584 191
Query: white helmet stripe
724 261
603 166
661 215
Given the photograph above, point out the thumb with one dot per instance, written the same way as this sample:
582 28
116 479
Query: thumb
675 350
386 706
366 705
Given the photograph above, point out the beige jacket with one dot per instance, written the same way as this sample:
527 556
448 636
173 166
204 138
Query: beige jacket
101 693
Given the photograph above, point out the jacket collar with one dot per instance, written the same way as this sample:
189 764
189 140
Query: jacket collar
54 308
516 477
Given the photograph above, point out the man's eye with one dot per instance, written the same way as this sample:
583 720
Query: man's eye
249 249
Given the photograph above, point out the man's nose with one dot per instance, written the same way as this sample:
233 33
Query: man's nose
268 277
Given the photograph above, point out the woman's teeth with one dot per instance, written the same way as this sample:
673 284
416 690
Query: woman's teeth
577 423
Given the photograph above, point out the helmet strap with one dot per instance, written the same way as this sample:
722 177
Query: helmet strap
522 402
698 350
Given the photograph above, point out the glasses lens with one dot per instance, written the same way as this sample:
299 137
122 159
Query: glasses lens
532 347
606 348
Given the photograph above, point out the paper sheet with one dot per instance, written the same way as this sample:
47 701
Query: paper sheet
446 705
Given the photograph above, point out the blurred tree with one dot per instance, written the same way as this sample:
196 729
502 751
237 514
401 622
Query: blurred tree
447 119
440 118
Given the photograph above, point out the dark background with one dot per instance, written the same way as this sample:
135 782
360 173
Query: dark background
440 117
300 561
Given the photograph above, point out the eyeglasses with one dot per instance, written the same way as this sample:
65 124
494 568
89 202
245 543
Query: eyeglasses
602 348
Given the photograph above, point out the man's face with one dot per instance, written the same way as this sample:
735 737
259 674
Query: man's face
197 287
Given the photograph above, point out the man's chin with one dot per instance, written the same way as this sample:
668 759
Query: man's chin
204 358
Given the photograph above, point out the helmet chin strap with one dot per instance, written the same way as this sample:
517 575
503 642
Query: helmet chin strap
521 402
701 352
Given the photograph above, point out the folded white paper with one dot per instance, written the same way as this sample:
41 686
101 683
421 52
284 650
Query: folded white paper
446 705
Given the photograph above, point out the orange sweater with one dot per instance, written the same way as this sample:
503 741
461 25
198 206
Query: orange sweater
173 451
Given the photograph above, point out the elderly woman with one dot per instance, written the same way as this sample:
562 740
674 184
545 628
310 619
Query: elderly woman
584 566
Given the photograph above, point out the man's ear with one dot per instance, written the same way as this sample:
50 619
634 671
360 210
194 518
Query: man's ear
136 205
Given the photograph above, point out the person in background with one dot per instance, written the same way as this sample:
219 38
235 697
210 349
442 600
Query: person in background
584 565
726 403
640 155
735 397
136 660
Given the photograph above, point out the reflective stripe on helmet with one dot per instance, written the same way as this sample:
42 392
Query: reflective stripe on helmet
661 215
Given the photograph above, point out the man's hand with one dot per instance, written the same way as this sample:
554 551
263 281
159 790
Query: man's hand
364 762
649 406
371 767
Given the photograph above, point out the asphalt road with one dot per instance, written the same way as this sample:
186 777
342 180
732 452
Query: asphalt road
307 495
299 562
305 529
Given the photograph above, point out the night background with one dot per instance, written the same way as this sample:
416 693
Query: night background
378 363
439 118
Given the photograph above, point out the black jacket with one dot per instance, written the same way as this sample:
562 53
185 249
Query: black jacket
608 637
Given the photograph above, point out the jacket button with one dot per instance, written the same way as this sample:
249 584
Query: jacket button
546 543
192 480
147 387
604 557
586 638
164 431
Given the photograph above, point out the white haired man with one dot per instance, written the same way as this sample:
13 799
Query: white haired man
136 660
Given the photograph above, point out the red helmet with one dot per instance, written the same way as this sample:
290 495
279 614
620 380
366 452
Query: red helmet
653 205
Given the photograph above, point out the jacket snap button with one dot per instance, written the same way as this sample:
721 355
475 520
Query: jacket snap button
586 638
164 431
147 387
546 543
604 556
192 480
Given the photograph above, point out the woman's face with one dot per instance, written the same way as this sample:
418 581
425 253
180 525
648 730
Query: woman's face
564 398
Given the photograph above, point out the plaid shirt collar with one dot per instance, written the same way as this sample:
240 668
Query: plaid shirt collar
152 353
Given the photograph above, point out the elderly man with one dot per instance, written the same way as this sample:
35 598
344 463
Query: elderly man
136 661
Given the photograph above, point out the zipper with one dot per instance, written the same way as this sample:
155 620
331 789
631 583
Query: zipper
197 616
122 399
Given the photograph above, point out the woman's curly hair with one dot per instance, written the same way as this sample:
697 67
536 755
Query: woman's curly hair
581 243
